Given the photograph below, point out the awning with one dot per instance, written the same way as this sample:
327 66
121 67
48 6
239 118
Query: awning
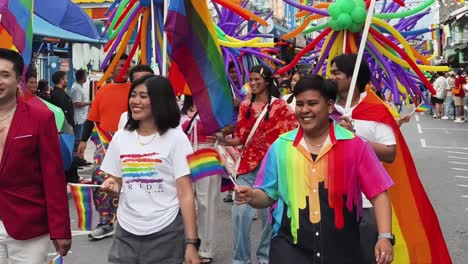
43 28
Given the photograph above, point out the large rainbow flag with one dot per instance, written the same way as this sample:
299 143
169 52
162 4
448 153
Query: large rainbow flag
16 20
418 235
83 198
195 49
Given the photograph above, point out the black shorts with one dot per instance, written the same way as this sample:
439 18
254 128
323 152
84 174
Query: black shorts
435 100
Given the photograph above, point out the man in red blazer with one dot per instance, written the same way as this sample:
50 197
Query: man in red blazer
33 198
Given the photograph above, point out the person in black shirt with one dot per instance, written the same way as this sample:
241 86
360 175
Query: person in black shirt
60 98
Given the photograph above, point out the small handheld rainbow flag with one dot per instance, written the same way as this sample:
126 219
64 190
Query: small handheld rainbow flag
57 260
422 108
83 198
204 163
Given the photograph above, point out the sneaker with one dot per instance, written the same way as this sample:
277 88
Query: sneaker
459 120
444 118
228 198
102 231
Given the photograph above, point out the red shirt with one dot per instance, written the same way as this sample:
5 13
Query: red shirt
281 120
460 81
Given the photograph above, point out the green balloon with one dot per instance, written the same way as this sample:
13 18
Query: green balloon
58 113
356 27
359 15
347 6
333 23
360 4
334 10
406 13
344 21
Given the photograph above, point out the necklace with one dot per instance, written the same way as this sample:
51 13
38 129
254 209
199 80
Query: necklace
8 114
314 145
145 143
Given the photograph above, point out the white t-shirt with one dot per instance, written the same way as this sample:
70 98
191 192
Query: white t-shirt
148 201
123 120
78 95
370 131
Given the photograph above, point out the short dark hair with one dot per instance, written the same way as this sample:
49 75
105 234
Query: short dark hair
459 72
164 106
122 57
15 58
80 75
327 88
43 85
57 76
231 65
31 72
139 68
345 63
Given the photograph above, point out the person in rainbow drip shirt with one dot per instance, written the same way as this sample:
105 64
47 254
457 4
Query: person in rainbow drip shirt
312 178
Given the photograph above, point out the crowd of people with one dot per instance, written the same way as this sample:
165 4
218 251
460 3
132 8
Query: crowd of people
287 133
450 101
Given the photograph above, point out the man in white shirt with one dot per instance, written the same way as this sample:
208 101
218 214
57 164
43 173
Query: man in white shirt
81 107
380 136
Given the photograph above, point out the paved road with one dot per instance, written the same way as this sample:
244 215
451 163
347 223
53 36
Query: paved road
440 151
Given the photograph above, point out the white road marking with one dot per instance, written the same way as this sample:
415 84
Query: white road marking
462 185
79 233
460 169
456 162
464 196
441 128
456 152
419 128
423 143
454 157
416 117
437 147
461 177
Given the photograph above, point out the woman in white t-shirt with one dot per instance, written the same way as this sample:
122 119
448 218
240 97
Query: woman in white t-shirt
147 165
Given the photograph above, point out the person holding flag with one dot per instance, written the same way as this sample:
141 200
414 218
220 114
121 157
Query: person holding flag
313 185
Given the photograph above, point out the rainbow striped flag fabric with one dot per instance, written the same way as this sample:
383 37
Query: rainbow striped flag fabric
195 49
435 32
17 18
422 108
83 198
204 163
57 260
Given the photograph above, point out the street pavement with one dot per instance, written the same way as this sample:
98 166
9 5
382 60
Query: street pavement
440 151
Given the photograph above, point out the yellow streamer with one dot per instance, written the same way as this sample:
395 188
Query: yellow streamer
403 63
396 35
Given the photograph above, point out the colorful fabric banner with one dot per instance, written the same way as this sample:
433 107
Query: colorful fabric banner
204 163
83 198
435 32
17 20
195 49
418 235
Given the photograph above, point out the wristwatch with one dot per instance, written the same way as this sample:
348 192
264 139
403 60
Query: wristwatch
388 236
194 241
